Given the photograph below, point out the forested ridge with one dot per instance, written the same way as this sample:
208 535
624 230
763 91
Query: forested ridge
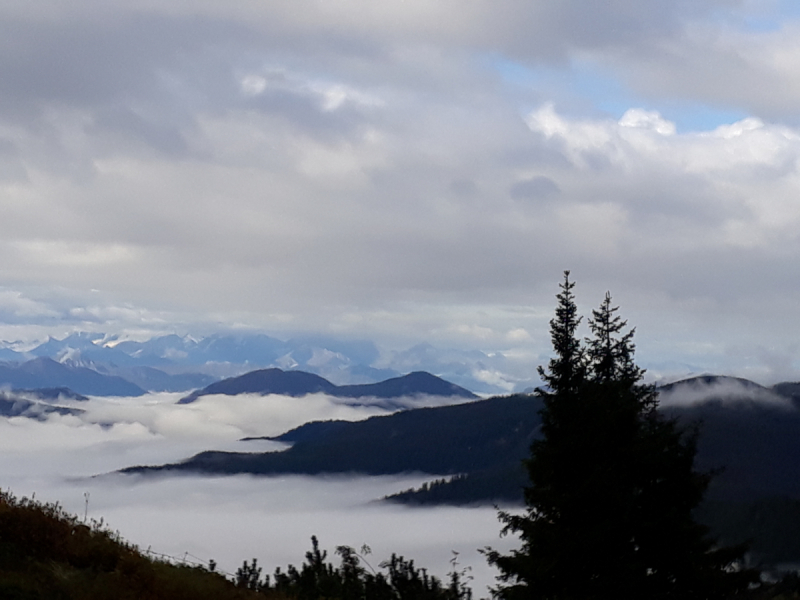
445 440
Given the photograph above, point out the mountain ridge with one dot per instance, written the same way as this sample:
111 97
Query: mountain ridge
755 440
341 361
300 383
43 372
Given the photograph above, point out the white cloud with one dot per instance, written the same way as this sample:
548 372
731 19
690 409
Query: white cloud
273 520
710 63
733 392
495 378
20 306
266 165
253 85
518 335
474 331
72 255
647 119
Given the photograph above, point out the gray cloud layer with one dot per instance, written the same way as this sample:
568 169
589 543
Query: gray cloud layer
380 170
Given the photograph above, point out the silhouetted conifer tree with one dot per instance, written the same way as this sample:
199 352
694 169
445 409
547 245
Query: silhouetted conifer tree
612 483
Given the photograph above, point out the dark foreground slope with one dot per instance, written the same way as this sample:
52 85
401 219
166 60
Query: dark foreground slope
47 554
301 383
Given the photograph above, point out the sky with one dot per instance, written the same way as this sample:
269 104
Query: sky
406 172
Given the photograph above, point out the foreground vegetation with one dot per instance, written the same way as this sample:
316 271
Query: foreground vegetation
46 553
49 554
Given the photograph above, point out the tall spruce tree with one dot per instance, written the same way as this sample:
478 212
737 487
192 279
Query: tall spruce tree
612 483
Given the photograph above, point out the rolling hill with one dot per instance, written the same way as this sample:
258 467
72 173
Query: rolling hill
300 383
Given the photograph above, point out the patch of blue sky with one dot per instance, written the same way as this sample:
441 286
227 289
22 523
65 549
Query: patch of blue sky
696 117
760 16
611 95
582 88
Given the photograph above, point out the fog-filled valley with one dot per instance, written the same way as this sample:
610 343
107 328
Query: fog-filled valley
71 459
228 476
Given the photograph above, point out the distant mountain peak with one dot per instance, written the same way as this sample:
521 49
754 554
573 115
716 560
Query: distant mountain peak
44 372
709 380
225 354
301 383
708 388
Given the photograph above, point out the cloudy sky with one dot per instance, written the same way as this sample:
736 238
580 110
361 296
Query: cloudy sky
406 171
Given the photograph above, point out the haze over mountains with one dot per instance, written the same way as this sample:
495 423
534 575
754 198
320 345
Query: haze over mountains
98 364
182 363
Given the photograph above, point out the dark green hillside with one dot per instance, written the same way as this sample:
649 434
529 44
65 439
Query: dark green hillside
706 381
757 444
445 440
772 525
788 389
501 484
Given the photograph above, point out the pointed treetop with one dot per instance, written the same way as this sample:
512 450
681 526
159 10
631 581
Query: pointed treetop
566 369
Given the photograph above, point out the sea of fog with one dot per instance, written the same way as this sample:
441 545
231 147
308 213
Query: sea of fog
72 459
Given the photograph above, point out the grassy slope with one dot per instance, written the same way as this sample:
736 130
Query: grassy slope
46 553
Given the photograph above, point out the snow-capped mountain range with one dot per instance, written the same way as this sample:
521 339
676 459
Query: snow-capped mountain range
178 363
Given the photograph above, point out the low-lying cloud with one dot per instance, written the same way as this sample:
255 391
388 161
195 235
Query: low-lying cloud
729 391
234 518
